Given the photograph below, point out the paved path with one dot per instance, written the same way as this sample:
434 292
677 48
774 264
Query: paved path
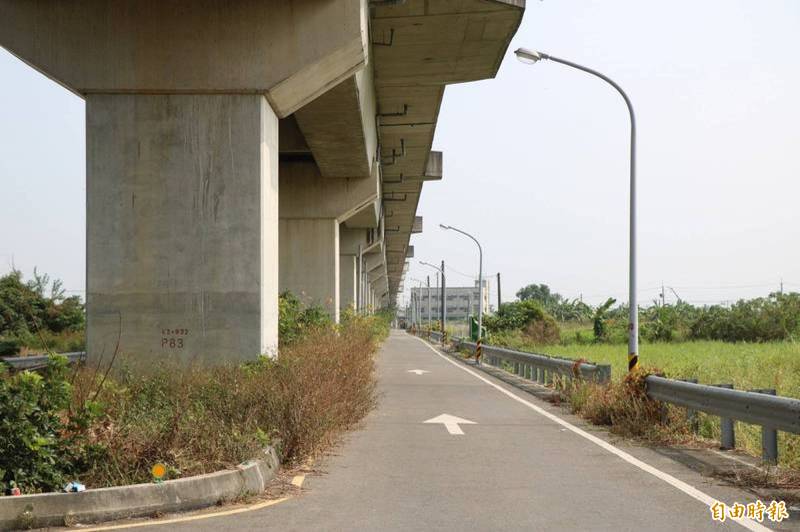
515 469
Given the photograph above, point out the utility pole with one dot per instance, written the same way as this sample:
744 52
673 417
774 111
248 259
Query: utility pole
429 303
663 295
413 311
781 285
437 294
444 301
499 297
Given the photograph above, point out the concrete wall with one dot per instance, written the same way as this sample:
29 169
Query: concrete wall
182 225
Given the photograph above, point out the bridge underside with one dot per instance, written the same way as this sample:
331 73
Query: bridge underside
235 151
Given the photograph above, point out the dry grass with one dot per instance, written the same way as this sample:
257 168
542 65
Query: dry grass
626 409
780 483
197 420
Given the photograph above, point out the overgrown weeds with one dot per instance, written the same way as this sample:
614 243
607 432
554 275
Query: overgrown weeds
196 420
626 409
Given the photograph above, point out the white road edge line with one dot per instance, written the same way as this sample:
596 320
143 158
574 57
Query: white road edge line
666 477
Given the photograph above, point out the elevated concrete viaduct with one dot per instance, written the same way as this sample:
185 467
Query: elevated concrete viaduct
236 149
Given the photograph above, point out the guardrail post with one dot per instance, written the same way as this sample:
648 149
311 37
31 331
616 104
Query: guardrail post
769 436
540 376
727 433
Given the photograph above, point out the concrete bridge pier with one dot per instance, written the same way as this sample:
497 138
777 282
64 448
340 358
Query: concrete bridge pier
184 104
350 242
232 147
182 206
312 207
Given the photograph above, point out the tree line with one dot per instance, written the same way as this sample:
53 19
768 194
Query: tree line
775 317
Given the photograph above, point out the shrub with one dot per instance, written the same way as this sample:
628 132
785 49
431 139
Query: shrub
10 347
197 420
296 320
600 327
42 435
542 332
625 407
37 320
660 323
110 429
773 318
516 315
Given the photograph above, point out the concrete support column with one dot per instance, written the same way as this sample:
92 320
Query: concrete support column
309 261
182 226
348 281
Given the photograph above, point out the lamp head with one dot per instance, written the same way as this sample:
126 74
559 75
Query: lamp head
444 226
528 57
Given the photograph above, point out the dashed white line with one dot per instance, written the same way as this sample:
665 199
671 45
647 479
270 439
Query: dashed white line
666 477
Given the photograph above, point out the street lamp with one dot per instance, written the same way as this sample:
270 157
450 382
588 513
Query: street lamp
531 57
480 286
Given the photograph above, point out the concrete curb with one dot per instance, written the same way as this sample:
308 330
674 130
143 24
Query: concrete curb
138 500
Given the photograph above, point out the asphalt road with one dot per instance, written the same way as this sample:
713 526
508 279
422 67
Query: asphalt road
514 469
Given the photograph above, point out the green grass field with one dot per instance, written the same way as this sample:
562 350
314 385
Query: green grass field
746 366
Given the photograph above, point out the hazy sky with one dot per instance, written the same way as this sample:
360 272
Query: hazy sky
536 161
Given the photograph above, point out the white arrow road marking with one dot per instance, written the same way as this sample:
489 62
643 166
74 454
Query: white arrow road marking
688 489
451 423
418 371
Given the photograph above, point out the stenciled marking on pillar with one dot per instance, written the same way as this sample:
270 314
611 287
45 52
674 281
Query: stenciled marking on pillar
633 362
173 338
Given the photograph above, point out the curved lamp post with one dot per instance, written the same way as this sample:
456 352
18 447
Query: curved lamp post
531 57
480 285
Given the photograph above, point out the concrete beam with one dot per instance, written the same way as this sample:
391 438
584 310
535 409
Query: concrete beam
339 126
304 193
367 216
292 51
350 240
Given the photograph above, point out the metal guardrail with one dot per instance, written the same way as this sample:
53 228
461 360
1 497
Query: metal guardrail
759 407
540 368
39 361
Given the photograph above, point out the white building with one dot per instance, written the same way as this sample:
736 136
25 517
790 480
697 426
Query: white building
461 301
